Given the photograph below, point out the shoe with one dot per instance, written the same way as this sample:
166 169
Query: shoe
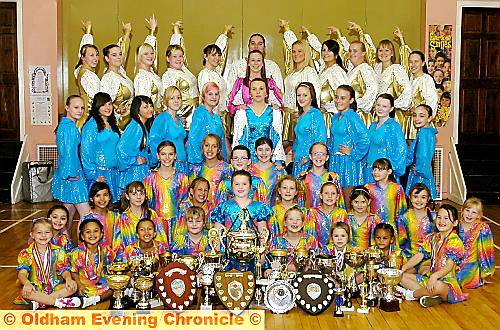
428 301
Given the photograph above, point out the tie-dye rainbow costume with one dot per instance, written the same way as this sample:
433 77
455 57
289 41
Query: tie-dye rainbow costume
362 235
214 175
276 223
124 232
306 242
319 224
44 277
164 196
179 227
91 267
133 250
270 177
108 223
388 203
258 191
312 186
183 245
479 261
439 251
412 232
60 239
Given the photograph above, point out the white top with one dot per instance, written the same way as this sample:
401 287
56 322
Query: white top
89 81
148 83
369 79
333 76
111 82
424 85
307 74
385 81
178 78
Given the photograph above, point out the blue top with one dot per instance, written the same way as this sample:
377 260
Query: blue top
310 128
350 131
421 152
387 141
128 148
98 149
68 139
257 127
203 123
165 128
226 213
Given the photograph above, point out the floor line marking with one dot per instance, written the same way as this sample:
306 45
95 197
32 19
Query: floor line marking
19 221
8 266
496 223
497 247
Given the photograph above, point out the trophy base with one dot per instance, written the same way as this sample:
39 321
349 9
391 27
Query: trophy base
143 306
363 310
204 307
338 313
389 306
372 302
347 309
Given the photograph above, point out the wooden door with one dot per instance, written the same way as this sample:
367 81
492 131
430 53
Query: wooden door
9 88
480 74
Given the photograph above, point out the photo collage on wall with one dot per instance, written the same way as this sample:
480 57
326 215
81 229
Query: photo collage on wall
439 66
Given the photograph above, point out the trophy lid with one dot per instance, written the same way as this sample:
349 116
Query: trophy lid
279 253
242 234
118 267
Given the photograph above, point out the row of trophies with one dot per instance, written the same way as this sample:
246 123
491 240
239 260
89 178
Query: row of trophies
319 280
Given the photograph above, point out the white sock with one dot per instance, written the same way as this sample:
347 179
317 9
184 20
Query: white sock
409 295
68 302
90 301
34 305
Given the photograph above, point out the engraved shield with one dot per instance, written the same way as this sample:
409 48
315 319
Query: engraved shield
176 285
314 292
279 297
235 289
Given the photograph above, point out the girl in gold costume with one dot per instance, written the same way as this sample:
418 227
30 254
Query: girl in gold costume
115 81
85 71
146 81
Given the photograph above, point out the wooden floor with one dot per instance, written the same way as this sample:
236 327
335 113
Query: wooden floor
481 311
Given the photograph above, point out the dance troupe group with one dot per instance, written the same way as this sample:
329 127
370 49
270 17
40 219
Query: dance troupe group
150 168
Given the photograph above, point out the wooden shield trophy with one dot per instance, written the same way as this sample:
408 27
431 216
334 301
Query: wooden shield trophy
235 289
314 292
176 285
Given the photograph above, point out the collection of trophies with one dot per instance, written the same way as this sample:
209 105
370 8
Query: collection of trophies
319 280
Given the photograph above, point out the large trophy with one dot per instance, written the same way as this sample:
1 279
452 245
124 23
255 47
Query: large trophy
279 264
117 280
301 259
144 268
389 277
354 260
373 257
212 262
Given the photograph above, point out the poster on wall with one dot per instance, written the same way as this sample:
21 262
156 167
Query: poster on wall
40 95
439 65
39 80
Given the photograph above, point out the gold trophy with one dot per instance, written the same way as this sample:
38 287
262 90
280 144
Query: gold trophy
373 257
242 243
325 263
301 259
144 285
117 281
394 261
212 262
354 260
389 277
193 262
259 250
279 264
165 259
363 307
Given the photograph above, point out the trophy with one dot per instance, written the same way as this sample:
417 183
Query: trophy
143 284
325 263
212 262
363 307
165 259
390 278
373 257
242 243
354 260
394 261
259 249
339 301
117 281
193 262
279 264
301 259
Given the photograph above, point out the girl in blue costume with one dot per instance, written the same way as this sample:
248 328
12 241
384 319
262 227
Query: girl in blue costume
133 148
69 184
259 120
310 127
421 151
168 126
349 141
232 213
205 121
100 135
386 140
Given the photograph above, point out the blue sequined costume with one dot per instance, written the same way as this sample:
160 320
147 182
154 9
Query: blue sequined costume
349 130
310 128
165 128
72 191
99 156
249 127
387 141
128 149
203 124
419 156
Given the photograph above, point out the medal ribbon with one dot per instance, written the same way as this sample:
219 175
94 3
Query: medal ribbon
91 263
435 254
43 268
